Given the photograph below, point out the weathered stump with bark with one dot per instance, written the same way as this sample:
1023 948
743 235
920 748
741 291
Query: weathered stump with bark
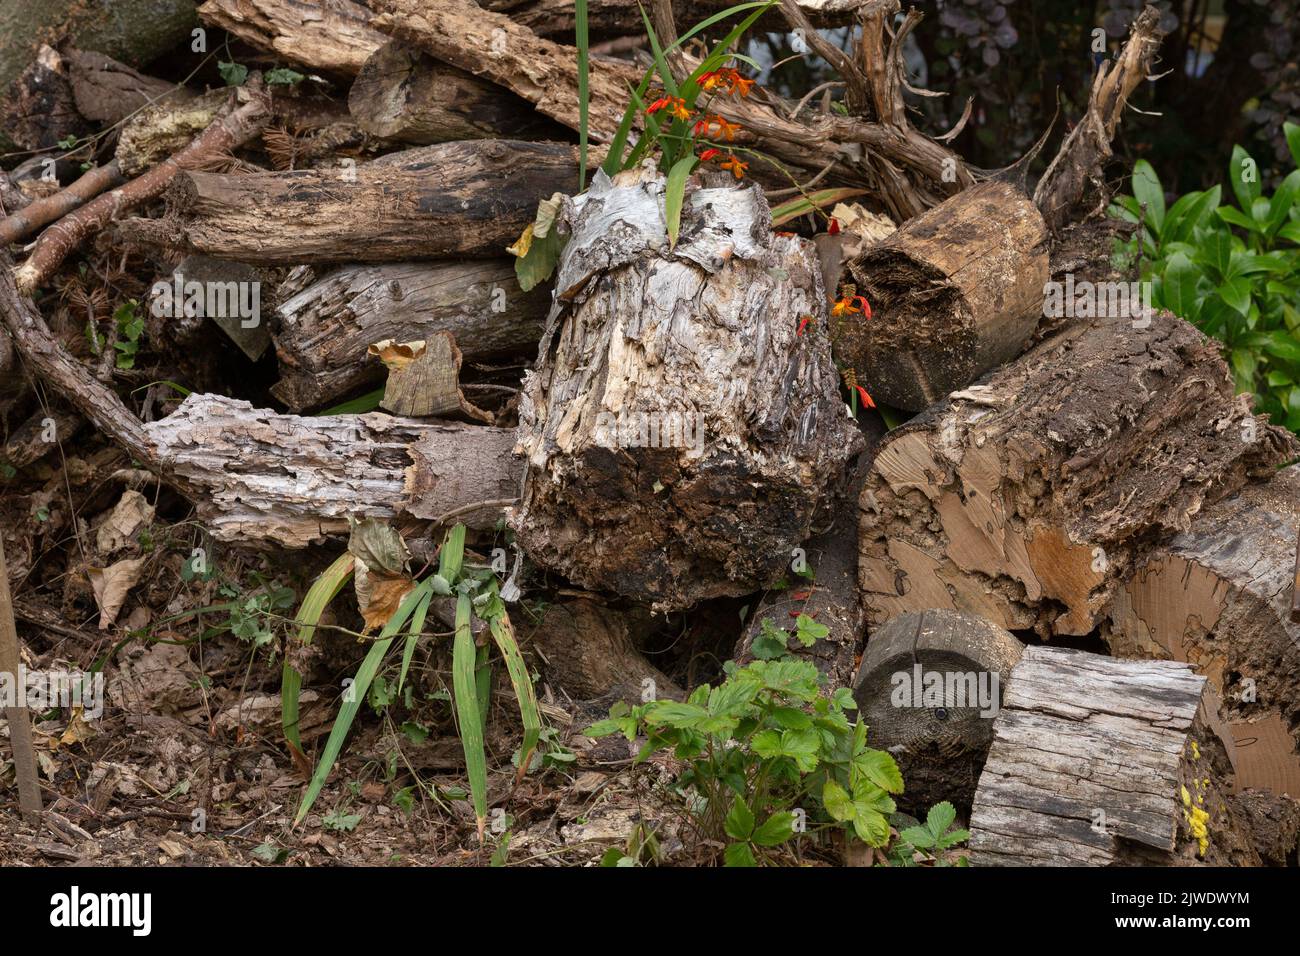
324 329
954 292
680 435
1027 498
1102 762
930 684
1219 595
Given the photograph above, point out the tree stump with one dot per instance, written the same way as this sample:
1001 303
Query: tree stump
929 686
1102 762
680 435
1028 498
954 292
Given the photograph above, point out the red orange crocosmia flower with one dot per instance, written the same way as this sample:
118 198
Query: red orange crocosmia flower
673 104
848 306
736 166
724 129
804 321
834 229
740 85
708 154
866 399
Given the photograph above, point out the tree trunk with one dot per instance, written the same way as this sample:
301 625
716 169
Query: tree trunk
286 480
915 692
455 199
332 36
954 292
1219 596
1028 498
324 330
1090 760
681 435
406 95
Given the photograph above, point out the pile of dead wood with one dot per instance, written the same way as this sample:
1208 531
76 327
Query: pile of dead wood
1088 479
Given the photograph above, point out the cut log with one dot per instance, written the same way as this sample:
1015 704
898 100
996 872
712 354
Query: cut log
324 329
1219 596
332 36
954 292
589 652
406 95
277 479
1102 762
424 379
455 199
681 436
1028 498
930 684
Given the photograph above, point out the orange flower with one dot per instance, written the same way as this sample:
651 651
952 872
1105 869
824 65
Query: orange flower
725 130
713 80
846 306
673 104
866 399
726 79
740 85
736 166
708 154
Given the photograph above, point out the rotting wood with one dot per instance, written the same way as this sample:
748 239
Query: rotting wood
681 436
954 292
453 199
17 716
1030 496
1090 761
424 379
333 36
323 330
107 91
267 478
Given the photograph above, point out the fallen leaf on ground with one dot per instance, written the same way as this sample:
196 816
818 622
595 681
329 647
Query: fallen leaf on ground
131 512
111 585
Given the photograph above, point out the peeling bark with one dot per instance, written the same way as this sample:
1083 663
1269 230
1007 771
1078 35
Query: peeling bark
1030 497
698 342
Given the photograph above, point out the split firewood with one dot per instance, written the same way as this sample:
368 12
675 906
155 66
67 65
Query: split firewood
929 686
325 328
953 293
590 652
424 379
1218 595
60 239
1078 169
1030 497
1102 762
288 480
681 435
333 36
453 199
406 95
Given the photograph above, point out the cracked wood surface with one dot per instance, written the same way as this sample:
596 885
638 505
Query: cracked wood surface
1029 497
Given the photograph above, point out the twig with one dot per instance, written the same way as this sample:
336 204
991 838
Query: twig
44 211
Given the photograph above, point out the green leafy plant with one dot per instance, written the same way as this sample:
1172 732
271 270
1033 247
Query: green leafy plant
281 76
130 326
233 73
1233 271
931 839
476 596
768 753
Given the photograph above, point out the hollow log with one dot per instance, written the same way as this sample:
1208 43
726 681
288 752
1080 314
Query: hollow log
454 199
1029 497
1218 595
954 292
267 478
1103 762
324 329
332 36
406 95
929 687
680 434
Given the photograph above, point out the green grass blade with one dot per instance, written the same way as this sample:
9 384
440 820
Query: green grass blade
580 24
614 158
661 63
801 205
468 715
356 406
675 195
452 556
717 17
413 637
356 694
319 595
503 633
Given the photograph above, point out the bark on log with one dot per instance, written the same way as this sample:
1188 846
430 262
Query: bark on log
454 199
1028 498
954 292
107 91
929 687
40 109
332 36
620 18
324 330
589 652
278 479
404 94
699 343
1090 759
1219 596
